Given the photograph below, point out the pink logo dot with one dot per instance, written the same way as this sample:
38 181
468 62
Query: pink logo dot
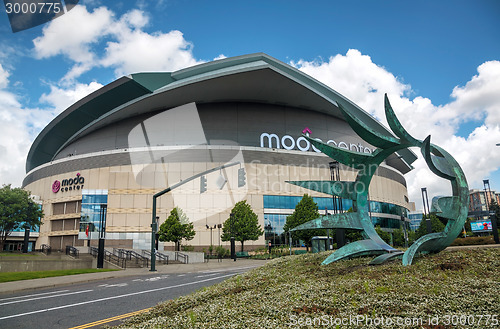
56 186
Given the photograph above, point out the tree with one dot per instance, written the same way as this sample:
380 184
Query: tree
176 227
17 209
243 225
467 226
398 238
305 211
495 208
436 226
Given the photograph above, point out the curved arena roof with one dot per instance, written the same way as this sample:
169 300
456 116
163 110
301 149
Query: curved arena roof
250 78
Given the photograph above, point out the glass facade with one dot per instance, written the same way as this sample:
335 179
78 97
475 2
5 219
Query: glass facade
21 228
388 208
386 222
93 202
415 219
273 227
289 202
273 223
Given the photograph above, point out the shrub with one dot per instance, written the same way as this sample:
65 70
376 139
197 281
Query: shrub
221 252
187 247
473 240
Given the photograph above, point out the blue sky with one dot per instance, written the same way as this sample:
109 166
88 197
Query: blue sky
438 60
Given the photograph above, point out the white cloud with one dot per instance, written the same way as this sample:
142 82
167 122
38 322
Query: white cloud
359 79
128 49
19 126
221 56
61 98
356 77
4 77
480 95
133 50
137 51
73 34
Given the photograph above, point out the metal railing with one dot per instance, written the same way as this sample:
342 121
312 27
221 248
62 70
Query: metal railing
110 257
72 251
159 256
46 249
184 257
132 256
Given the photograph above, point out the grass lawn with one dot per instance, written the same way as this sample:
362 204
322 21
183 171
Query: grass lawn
438 291
16 276
17 254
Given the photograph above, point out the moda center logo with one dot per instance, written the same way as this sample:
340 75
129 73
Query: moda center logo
25 14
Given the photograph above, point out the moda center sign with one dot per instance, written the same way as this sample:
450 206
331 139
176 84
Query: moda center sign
69 184
287 142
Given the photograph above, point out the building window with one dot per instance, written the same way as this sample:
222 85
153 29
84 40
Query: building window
62 208
92 202
273 228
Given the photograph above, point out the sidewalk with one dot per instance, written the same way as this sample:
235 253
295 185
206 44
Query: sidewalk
213 265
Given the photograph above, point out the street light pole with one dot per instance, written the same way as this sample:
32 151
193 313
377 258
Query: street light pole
102 232
327 230
219 226
494 227
26 238
233 246
210 228
405 232
492 214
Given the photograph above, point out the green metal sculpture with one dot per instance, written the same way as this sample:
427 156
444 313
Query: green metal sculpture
441 163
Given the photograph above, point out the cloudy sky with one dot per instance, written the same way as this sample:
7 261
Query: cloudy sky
439 61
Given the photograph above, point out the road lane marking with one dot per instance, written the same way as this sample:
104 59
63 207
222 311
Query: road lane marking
52 296
114 297
45 293
108 320
205 275
229 269
113 285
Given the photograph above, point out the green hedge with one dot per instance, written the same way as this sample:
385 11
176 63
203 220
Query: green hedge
473 240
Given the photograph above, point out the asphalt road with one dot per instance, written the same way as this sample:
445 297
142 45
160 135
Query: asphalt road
77 305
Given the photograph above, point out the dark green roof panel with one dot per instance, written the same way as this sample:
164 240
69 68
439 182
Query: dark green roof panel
153 80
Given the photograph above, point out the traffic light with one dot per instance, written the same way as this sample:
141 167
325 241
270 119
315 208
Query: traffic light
241 177
203 184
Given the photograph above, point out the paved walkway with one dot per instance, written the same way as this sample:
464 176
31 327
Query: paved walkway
213 265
